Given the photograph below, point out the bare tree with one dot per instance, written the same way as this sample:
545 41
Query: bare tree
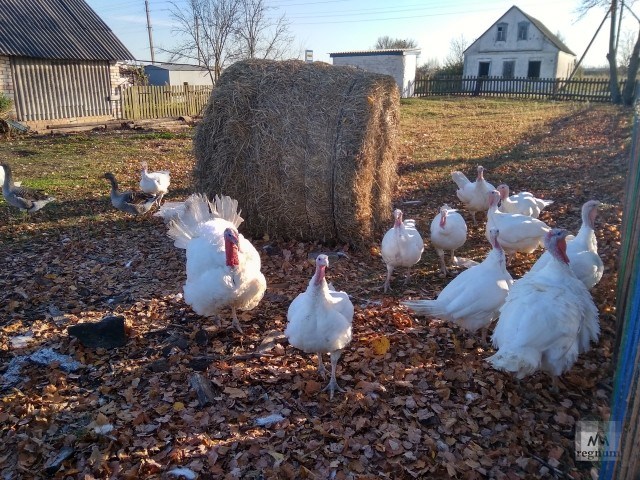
616 10
386 42
217 32
455 58
258 35
429 67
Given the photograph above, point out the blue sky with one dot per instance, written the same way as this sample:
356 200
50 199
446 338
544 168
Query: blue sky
326 26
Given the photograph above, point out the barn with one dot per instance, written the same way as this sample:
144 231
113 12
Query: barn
59 62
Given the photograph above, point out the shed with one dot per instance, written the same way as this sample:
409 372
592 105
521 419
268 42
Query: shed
174 74
400 63
59 61
518 45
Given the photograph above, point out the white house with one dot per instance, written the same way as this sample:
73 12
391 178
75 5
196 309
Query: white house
176 74
518 45
400 63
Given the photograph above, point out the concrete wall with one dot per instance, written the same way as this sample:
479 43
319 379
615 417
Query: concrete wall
401 67
161 76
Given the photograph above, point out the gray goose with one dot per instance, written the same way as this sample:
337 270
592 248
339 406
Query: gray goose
24 198
135 203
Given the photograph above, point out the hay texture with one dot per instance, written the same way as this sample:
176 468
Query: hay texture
308 149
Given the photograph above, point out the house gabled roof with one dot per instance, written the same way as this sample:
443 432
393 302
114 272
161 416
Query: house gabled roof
538 24
57 29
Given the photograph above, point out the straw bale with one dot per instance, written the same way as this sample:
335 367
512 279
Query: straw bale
308 149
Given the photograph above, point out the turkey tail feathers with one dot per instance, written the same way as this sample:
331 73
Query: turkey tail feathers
185 218
429 308
460 179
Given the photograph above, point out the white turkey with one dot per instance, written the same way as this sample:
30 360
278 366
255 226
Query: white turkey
524 202
582 249
154 183
135 203
473 194
319 321
518 233
472 299
402 246
24 198
448 232
548 318
223 267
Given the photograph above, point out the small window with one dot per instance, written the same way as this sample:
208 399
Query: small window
523 30
483 69
534 69
501 36
508 68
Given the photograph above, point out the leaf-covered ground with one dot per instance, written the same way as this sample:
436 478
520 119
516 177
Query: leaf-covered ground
428 406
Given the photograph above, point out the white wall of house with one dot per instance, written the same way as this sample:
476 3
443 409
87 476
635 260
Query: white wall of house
400 65
508 54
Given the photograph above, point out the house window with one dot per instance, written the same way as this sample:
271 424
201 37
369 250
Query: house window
508 68
483 69
501 36
523 30
534 69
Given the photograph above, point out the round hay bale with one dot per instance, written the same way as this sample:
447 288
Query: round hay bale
308 149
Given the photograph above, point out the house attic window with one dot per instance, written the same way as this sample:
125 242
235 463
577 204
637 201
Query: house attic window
501 35
523 30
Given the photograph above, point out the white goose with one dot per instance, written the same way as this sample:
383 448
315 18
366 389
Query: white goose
582 249
154 183
523 203
472 299
448 232
402 246
473 194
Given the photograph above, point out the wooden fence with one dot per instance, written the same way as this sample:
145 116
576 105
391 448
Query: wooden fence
592 89
164 101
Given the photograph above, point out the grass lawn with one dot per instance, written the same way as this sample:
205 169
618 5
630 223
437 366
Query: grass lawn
429 407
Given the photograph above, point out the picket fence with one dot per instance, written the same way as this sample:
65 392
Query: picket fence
163 101
583 89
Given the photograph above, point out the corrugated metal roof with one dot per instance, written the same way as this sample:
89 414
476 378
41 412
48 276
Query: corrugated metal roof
387 51
546 32
57 29
174 67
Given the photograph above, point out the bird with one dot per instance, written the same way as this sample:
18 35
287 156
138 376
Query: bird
523 203
223 267
448 232
518 233
473 194
154 183
582 249
135 203
547 320
24 198
472 299
402 246
319 321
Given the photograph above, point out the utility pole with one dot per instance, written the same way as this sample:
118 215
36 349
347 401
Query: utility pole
146 6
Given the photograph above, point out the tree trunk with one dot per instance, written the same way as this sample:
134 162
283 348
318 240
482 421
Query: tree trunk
628 93
611 56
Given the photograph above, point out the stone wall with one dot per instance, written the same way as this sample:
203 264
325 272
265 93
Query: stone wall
6 80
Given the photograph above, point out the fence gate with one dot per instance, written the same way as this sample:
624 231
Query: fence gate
50 89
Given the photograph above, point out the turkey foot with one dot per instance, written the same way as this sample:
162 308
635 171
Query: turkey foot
321 370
